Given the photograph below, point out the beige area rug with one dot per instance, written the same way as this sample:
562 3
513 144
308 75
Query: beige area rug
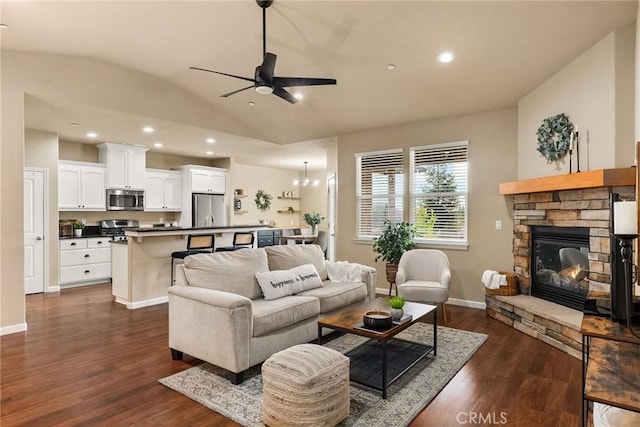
207 384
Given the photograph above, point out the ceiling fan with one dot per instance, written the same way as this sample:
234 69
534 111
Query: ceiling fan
264 81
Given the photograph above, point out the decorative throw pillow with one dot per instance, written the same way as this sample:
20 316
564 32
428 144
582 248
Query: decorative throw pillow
280 283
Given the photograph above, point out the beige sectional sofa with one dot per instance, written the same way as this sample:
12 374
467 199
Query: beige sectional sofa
217 311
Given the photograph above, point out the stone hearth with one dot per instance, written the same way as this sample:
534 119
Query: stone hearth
554 324
575 200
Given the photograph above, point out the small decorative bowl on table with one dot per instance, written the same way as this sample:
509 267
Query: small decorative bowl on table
377 319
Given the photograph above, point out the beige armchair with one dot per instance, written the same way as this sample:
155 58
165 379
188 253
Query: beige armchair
424 276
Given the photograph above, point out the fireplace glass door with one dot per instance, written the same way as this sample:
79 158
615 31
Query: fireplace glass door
560 265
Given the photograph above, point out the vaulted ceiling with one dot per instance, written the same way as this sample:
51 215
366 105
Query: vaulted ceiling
503 49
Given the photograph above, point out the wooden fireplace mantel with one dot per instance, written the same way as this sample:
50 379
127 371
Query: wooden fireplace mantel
573 181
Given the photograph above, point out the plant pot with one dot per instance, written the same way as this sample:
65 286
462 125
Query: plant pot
396 313
314 230
391 270
77 232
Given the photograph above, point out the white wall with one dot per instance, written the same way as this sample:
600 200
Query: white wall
41 151
274 182
637 80
492 160
590 90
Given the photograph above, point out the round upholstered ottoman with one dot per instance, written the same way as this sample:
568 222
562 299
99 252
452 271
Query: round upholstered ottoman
305 385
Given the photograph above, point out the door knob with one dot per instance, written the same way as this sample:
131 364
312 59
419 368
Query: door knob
38 238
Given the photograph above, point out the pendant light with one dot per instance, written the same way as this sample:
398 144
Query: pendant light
306 180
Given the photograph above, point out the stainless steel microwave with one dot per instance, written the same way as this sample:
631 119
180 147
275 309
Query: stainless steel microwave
125 200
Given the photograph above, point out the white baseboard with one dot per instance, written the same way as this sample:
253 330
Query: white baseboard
144 303
53 289
467 303
452 301
13 329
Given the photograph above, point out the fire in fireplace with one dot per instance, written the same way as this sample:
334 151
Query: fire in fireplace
560 265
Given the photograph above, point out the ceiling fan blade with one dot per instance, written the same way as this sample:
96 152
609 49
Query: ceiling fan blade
268 66
301 81
278 91
224 74
236 91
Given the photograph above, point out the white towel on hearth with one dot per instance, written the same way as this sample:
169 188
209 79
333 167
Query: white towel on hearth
493 280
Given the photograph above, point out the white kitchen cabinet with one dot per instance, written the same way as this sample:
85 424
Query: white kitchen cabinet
81 186
208 181
125 165
163 190
84 261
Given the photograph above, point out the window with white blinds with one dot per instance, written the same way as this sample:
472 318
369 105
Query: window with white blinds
438 187
380 191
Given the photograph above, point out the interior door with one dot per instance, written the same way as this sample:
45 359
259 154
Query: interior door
34 216
331 213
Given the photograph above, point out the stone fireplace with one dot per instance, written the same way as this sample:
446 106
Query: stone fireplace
582 211
568 214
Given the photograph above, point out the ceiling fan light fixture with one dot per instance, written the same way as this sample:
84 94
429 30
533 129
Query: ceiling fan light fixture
264 90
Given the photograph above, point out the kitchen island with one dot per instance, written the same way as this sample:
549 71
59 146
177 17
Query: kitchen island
141 266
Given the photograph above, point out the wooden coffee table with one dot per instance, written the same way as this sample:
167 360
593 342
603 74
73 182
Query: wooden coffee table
383 359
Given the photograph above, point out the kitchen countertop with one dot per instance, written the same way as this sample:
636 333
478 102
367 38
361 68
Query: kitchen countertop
108 236
226 227
140 233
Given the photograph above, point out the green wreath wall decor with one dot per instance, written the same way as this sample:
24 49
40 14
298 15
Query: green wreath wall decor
554 137
263 200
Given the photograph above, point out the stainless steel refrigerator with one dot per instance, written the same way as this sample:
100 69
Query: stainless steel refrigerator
208 210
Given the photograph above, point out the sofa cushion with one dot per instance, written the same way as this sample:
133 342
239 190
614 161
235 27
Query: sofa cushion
284 257
233 272
269 316
280 283
334 295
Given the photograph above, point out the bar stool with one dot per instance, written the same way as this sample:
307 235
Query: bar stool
241 240
200 244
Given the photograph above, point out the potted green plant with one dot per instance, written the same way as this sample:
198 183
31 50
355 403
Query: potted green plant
313 219
77 228
395 240
396 303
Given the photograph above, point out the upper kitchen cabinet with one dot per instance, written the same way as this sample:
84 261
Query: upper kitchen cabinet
125 165
163 190
81 186
199 179
207 180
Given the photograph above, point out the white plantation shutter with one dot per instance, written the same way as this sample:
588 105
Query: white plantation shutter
379 192
439 189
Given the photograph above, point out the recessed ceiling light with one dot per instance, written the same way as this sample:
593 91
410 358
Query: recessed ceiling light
252 103
209 153
148 129
298 95
91 134
75 125
3 26
446 57
210 140
157 144
391 67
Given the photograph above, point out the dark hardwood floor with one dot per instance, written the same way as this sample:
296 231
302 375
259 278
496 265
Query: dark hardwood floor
86 360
